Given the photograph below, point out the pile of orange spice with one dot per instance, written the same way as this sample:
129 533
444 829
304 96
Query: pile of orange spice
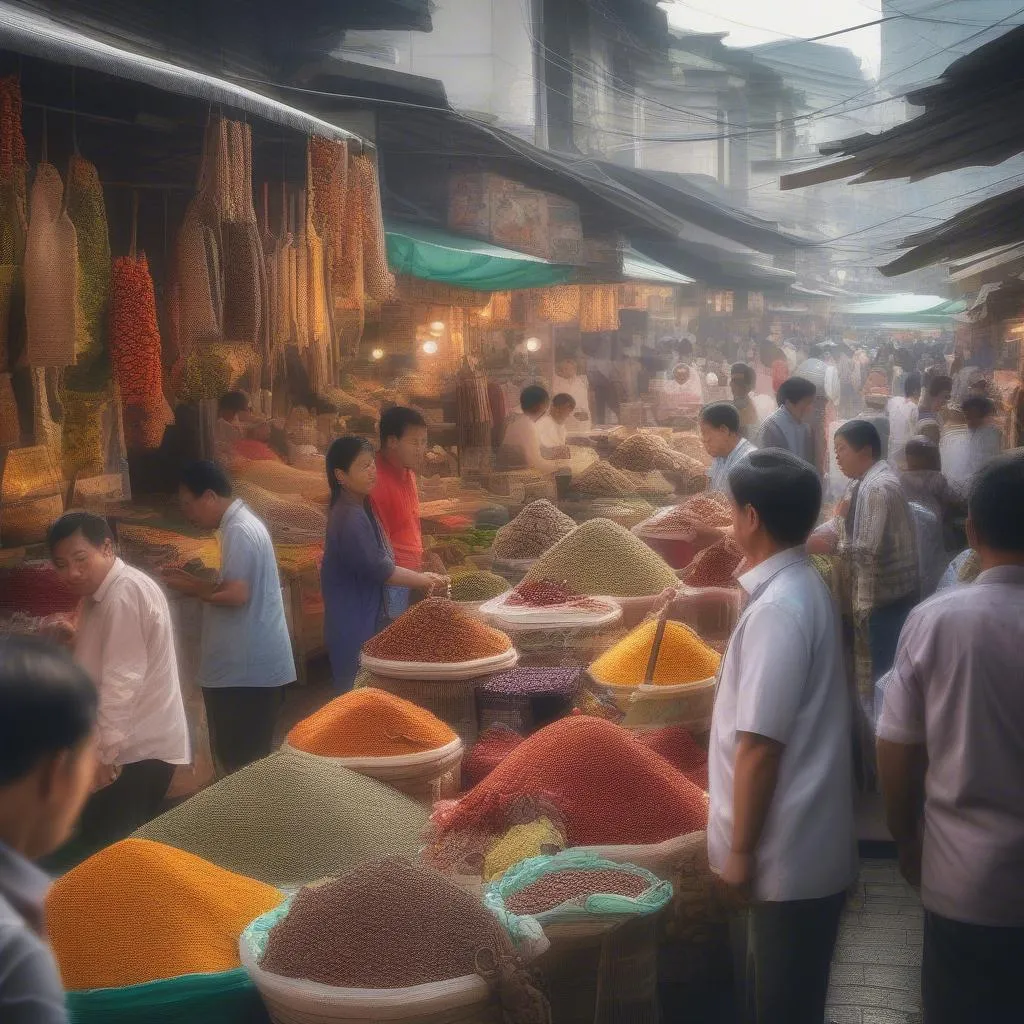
369 723
682 658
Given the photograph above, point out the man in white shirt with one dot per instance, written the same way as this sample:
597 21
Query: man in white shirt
720 432
780 829
125 642
566 381
520 447
902 414
552 427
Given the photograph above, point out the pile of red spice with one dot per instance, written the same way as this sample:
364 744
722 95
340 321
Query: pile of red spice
437 631
573 887
591 771
680 749
548 594
492 746
714 566
36 589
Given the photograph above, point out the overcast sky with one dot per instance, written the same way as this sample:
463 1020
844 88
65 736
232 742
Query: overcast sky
754 21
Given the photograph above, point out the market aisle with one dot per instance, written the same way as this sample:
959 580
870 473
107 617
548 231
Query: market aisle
877 965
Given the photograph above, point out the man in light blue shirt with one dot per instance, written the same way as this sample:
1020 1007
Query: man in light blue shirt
787 427
246 655
720 432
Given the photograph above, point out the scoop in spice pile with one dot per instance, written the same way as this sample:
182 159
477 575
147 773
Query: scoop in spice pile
682 658
600 557
715 566
680 749
290 818
437 631
591 772
369 723
139 911
392 924
537 527
477 585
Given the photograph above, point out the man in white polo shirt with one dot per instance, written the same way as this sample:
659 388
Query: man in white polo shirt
780 831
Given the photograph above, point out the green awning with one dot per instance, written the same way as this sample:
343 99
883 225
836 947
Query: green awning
435 255
636 267
905 306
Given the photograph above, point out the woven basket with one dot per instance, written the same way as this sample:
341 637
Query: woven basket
454 701
602 972
427 777
652 707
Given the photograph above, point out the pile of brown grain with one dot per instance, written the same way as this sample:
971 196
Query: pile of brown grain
532 532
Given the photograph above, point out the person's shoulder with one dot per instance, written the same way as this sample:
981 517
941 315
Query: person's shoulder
246 525
28 973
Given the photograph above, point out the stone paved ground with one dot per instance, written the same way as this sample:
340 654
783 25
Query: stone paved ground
877 964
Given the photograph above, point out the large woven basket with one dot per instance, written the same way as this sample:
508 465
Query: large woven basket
453 701
689 705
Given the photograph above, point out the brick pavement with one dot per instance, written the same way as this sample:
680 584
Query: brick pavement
877 964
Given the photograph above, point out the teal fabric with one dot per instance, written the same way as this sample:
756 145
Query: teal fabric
436 255
636 267
226 997
526 872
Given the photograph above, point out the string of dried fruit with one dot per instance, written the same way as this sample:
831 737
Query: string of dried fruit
598 308
135 350
378 281
328 170
82 437
348 289
559 304
88 213
316 289
198 276
12 141
51 274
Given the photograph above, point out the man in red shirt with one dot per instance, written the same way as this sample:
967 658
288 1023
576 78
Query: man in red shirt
403 443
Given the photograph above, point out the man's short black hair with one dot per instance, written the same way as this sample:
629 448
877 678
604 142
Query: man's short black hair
912 384
397 420
233 401
795 389
980 405
922 453
939 384
784 491
47 704
533 397
95 529
997 496
562 399
745 371
204 475
861 434
721 414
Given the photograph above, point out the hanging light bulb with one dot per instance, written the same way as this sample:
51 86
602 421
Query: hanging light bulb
533 344
437 328
377 353
430 348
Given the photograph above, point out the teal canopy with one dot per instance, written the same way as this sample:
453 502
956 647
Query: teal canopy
436 255
905 307
636 267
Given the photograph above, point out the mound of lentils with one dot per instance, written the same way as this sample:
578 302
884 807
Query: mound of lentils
601 557
389 924
437 631
576 887
644 452
603 479
477 585
532 532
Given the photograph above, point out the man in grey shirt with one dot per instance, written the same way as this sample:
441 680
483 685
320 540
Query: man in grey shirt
951 763
787 427
47 767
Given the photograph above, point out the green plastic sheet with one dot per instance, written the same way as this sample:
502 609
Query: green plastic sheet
435 255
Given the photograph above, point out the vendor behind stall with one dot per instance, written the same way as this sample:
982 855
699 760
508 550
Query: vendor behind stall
720 432
396 501
520 447
359 570
553 426
567 381
234 423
